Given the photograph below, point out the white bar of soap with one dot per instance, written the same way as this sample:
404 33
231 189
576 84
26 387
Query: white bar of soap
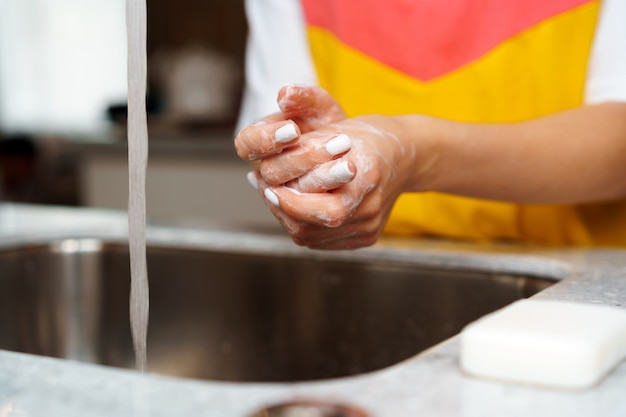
547 343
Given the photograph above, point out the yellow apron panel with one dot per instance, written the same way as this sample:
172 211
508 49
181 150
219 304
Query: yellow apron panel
537 72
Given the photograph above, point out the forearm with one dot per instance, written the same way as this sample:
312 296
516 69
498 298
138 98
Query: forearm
570 157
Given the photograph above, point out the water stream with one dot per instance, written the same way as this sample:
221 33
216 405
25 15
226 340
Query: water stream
136 24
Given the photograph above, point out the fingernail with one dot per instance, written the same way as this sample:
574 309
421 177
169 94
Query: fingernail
251 176
340 172
339 145
286 133
271 197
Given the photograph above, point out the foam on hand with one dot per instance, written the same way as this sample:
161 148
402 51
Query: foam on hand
546 343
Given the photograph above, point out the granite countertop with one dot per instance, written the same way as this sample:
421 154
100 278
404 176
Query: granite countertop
429 384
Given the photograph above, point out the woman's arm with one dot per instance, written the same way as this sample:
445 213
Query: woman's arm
571 157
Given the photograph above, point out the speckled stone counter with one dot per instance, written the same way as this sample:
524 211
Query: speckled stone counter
429 384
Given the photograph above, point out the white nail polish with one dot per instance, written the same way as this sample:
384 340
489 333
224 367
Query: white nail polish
339 145
251 176
286 133
271 197
340 172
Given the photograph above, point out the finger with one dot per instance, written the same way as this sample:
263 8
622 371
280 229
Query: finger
322 209
310 152
272 118
263 139
258 183
293 227
325 177
310 107
356 231
350 236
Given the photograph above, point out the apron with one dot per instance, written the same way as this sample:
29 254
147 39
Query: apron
490 61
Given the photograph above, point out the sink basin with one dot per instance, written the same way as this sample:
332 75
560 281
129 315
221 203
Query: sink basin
236 316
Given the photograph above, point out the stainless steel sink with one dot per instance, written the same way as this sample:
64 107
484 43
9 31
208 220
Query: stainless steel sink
239 317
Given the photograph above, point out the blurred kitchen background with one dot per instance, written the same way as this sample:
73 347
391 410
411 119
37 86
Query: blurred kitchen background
63 108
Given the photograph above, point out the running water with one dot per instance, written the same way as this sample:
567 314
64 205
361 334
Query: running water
136 26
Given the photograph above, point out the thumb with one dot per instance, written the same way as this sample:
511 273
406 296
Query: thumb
310 107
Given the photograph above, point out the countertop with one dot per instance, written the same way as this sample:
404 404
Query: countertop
429 384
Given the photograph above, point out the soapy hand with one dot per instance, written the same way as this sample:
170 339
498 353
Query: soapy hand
329 180
303 109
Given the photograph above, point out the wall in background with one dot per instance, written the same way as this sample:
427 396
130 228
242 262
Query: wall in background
63 65
61 62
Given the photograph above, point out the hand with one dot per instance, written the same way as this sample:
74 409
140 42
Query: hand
330 181
353 214
303 109
331 200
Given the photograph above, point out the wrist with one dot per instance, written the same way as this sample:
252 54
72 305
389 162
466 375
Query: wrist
425 140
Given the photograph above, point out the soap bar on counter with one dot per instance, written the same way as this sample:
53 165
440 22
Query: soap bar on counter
557 344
